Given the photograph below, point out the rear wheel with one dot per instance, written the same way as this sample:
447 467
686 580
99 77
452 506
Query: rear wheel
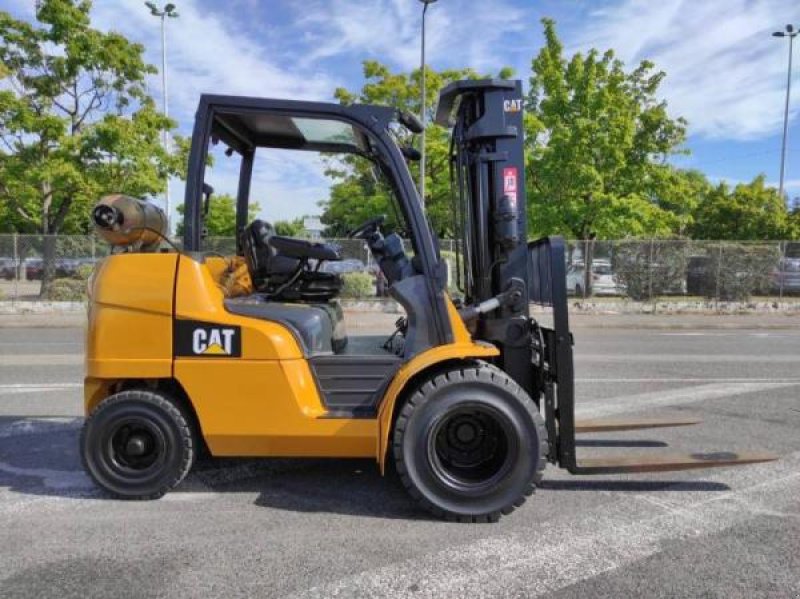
470 445
137 445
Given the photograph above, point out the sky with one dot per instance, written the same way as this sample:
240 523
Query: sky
726 74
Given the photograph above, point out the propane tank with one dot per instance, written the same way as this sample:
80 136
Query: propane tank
125 221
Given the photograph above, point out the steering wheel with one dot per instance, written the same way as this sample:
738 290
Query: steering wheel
369 226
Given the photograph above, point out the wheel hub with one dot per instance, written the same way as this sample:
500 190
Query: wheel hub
470 445
136 446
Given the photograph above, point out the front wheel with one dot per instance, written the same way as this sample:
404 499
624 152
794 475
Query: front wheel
137 444
470 444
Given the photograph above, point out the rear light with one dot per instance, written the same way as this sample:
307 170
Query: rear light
595 277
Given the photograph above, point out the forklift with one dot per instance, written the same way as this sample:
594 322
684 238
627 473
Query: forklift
468 399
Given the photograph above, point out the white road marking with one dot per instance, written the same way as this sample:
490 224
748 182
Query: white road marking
673 397
15 389
536 561
714 358
41 359
37 425
48 343
689 380
762 335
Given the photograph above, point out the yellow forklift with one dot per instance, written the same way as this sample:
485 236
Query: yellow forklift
468 399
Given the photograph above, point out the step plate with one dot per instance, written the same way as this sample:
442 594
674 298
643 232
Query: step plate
666 463
618 424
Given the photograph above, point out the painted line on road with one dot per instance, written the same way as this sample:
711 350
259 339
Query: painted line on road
48 343
18 389
790 380
541 560
37 425
674 397
694 358
41 359
760 335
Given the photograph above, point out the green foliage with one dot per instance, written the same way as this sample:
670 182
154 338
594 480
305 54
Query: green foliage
741 270
358 285
357 193
221 218
597 143
75 121
748 211
290 228
84 271
649 269
66 290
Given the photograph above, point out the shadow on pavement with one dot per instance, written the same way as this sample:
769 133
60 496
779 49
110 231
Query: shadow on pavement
40 457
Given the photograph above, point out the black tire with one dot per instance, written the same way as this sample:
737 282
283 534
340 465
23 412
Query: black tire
470 445
578 290
137 444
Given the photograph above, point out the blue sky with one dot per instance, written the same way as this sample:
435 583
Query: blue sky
725 73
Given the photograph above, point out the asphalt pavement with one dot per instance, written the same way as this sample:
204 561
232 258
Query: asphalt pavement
327 528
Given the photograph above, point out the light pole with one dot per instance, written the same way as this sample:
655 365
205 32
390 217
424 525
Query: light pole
791 34
164 13
425 4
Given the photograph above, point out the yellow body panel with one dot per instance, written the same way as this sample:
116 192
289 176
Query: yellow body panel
198 296
264 403
130 317
268 408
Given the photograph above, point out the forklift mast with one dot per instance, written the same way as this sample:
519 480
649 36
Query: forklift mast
488 172
505 273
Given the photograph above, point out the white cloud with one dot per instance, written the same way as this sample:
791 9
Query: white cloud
207 54
389 31
725 73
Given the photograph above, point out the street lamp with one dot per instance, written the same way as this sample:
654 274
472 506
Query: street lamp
791 34
164 13
425 4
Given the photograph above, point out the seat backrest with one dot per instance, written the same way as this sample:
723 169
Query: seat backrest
256 248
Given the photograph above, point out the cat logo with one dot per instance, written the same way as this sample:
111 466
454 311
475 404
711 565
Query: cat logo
207 340
512 105
213 341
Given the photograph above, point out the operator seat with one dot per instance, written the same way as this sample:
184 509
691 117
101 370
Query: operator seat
281 269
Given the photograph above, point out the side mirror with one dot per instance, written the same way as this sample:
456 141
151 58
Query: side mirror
411 153
208 191
410 122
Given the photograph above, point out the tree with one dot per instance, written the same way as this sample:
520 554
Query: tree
290 228
357 193
75 123
221 218
598 140
748 211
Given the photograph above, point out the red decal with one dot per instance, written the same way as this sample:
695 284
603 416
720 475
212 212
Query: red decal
510 183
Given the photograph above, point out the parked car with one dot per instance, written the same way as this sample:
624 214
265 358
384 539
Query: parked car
34 267
604 281
786 277
8 268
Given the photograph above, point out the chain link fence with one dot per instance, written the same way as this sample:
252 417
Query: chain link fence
638 270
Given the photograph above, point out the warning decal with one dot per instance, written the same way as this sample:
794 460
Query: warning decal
510 182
